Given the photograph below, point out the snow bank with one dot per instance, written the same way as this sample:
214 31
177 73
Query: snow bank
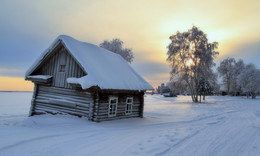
171 126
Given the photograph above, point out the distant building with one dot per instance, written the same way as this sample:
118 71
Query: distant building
162 89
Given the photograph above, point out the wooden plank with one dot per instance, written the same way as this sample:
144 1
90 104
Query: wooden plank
67 70
58 78
63 74
70 69
55 68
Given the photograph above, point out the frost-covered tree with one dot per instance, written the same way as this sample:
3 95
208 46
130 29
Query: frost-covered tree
238 69
116 46
191 58
209 85
229 70
204 88
249 79
178 87
225 71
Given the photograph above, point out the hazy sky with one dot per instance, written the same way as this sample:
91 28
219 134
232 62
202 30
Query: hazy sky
28 27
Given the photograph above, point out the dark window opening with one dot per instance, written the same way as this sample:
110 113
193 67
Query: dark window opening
62 68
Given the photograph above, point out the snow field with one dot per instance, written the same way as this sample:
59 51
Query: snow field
171 126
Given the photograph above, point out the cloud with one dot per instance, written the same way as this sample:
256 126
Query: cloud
13 72
249 52
150 68
154 72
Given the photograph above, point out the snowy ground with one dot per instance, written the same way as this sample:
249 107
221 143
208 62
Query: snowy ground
171 126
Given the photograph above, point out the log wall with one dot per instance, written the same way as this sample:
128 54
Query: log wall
101 109
60 100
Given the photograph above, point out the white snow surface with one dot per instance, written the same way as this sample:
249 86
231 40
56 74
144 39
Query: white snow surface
104 68
44 77
171 126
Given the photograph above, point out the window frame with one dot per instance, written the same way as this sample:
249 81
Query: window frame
62 68
115 112
127 112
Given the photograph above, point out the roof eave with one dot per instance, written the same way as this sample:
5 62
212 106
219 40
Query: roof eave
45 54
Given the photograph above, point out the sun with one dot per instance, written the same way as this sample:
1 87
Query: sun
189 62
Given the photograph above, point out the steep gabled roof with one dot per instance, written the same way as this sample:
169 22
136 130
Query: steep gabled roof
104 68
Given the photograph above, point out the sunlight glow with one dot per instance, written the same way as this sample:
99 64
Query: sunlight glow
15 84
189 62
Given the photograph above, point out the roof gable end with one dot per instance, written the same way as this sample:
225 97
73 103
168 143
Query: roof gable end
104 68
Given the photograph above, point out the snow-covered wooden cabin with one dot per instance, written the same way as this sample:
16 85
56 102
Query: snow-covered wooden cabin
82 79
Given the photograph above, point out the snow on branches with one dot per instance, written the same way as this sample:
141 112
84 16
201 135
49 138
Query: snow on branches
239 78
191 58
116 46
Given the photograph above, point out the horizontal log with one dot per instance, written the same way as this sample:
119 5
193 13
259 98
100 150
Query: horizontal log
119 107
115 118
65 94
51 111
56 109
102 115
63 103
58 89
119 101
57 102
119 104
79 109
60 108
119 110
37 112
75 100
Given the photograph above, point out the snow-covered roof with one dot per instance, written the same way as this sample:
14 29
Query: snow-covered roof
43 77
104 68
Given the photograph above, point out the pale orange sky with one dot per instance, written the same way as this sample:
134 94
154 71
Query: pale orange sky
15 84
144 26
